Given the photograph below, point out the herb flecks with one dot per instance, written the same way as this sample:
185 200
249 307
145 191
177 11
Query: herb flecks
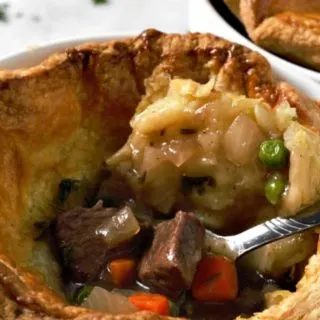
82 294
196 183
212 278
3 12
100 1
66 186
40 228
188 131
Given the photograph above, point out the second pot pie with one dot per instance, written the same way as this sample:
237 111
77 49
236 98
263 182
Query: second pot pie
290 28
83 196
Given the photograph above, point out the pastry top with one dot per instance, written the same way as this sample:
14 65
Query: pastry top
62 118
254 12
234 6
289 28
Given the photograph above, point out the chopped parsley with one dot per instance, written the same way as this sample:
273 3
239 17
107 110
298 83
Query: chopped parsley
40 228
82 294
100 1
66 186
3 12
187 131
196 183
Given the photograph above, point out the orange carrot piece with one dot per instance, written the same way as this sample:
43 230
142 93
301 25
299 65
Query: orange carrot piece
215 280
122 271
156 303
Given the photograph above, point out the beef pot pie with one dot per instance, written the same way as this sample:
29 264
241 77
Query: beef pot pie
117 156
290 28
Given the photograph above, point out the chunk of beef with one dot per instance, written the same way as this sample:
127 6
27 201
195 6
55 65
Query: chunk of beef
90 237
170 263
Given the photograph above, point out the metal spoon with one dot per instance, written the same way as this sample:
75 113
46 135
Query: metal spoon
275 229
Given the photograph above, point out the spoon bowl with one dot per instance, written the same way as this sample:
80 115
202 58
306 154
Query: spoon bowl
269 231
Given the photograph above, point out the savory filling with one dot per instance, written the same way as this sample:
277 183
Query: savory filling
197 158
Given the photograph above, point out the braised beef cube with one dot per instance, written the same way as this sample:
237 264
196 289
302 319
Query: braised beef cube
89 238
171 262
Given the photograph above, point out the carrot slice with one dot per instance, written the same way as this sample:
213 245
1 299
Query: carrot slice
156 303
215 280
122 271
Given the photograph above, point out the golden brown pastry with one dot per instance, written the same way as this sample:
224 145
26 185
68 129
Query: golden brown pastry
63 117
234 6
288 28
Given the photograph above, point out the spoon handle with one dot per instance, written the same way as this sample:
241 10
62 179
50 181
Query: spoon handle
272 230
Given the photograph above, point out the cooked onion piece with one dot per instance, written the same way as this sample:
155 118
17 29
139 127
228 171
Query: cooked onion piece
242 140
102 300
121 227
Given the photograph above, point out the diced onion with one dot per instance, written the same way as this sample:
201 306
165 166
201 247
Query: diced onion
152 157
120 228
109 302
242 139
180 151
209 141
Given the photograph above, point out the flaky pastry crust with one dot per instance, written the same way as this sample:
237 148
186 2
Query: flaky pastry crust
288 28
63 117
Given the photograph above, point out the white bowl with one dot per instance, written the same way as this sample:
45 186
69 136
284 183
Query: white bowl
29 58
204 18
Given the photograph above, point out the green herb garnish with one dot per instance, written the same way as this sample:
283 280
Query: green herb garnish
41 227
197 183
3 12
66 186
187 131
100 1
82 294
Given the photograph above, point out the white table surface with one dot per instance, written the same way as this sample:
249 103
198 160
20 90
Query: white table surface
35 22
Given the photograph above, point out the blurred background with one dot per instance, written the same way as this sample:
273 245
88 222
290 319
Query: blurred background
29 23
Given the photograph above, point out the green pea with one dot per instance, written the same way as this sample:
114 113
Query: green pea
274 189
273 154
